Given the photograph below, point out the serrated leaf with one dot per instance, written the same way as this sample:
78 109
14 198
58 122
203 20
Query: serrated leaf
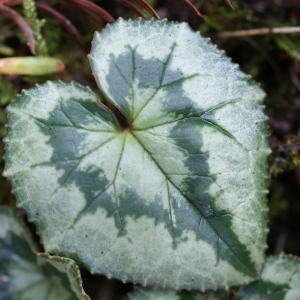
173 199
151 293
280 280
25 275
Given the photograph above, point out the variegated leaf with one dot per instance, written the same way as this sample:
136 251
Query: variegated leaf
174 198
25 275
280 280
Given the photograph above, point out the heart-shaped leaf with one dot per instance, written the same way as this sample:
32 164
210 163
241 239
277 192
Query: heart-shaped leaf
173 197
151 293
25 275
280 280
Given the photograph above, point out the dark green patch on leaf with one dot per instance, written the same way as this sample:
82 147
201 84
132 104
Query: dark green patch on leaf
263 290
66 137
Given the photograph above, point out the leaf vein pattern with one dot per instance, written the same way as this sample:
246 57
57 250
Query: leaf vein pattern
219 105
76 165
170 211
222 130
179 81
169 142
194 117
88 112
74 159
227 133
121 74
160 80
87 206
133 76
93 115
47 163
114 180
66 126
191 203
125 79
112 183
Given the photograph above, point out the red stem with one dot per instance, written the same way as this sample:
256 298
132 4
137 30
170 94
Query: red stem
61 19
18 19
54 13
229 4
133 7
192 7
94 9
148 7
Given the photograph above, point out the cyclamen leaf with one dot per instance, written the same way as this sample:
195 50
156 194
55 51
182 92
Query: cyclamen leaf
25 275
150 293
280 280
173 200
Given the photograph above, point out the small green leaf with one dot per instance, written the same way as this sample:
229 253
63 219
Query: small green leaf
171 200
288 43
280 280
151 293
25 275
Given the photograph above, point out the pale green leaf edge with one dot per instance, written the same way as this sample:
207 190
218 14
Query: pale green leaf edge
56 261
73 269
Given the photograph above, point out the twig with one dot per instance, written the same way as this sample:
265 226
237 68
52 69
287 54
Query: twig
258 31
94 9
92 12
55 14
61 19
192 7
229 4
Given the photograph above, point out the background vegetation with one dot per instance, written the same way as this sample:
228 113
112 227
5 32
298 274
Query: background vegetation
272 59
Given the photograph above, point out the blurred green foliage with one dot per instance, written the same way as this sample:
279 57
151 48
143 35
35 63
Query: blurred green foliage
7 92
285 156
289 43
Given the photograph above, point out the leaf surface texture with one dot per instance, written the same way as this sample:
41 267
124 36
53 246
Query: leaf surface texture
173 199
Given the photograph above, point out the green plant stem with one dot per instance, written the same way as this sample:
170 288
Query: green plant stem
29 9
